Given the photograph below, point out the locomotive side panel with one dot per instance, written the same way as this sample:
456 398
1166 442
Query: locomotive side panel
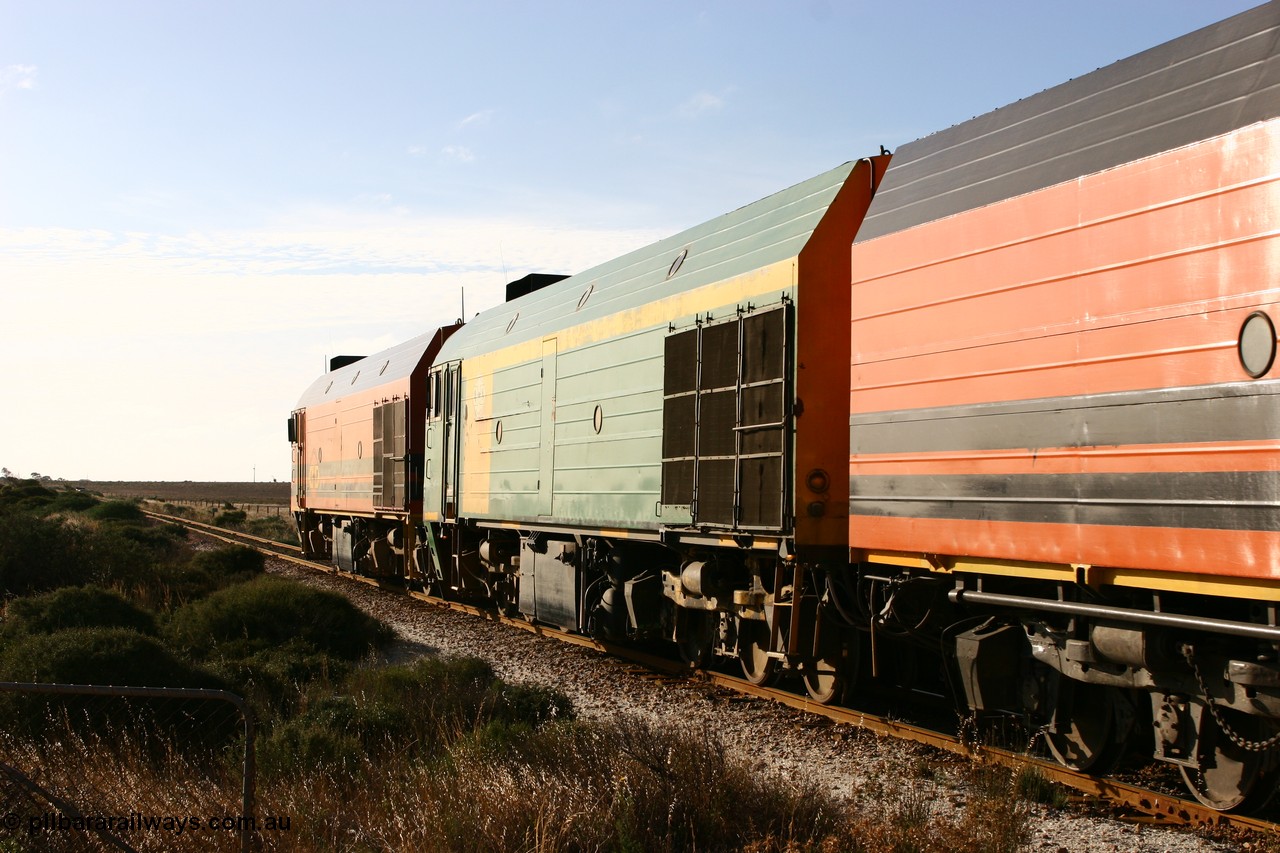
339 440
1057 378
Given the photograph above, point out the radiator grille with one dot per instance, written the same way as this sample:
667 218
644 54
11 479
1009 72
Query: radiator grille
726 421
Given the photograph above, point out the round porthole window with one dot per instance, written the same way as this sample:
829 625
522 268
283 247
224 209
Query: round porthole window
597 420
1257 346
359 449
677 263
497 432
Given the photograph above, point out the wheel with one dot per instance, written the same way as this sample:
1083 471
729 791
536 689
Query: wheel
1092 741
753 651
695 635
1231 778
826 677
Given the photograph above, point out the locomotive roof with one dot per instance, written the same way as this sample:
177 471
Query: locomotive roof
1201 85
770 230
381 368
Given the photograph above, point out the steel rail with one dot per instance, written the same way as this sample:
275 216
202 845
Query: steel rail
1162 809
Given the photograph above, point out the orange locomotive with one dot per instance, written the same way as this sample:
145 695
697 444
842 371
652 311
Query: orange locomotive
1065 408
358 455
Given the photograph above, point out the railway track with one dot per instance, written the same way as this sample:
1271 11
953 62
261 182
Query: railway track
1143 804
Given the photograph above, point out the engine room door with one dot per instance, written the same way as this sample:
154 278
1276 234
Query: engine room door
299 459
451 433
547 443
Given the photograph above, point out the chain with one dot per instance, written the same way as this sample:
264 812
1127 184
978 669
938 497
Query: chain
1244 743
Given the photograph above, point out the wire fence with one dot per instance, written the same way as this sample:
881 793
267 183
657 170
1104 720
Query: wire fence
91 767
253 509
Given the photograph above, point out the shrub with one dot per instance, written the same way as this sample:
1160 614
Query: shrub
230 564
117 511
240 620
273 527
26 496
72 502
318 739
415 712
231 518
37 554
104 656
99 656
75 607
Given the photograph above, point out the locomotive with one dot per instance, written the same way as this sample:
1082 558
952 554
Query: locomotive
994 415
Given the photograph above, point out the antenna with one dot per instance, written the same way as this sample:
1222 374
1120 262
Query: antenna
463 317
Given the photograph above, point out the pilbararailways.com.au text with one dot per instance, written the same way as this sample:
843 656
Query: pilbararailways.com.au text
135 822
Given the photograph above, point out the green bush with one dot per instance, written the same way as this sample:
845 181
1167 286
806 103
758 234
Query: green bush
415 712
230 564
37 554
273 527
320 739
117 656
71 502
246 618
117 511
75 607
277 678
26 496
232 518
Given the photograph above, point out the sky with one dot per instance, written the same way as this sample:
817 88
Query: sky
200 201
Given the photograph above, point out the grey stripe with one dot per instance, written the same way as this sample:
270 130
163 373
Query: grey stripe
1245 411
1224 500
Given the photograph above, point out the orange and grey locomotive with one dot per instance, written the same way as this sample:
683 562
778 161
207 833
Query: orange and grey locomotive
994 416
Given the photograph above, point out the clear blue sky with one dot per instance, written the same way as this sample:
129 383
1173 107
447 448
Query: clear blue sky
199 201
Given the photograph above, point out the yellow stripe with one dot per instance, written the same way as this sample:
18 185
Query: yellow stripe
1093 576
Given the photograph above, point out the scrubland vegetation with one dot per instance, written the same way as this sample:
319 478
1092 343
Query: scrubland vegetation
354 753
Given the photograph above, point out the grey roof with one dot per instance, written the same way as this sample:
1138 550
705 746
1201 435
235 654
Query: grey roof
1204 84
397 362
765 232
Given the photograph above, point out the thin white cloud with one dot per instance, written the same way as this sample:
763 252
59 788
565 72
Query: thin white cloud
701 104
17 77
459 153
417 151
213 334
481 117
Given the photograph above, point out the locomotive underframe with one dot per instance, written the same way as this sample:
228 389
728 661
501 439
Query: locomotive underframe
1193 682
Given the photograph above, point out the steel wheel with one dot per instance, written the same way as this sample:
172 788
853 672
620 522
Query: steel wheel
827 676
1092 741
753 651
1230 777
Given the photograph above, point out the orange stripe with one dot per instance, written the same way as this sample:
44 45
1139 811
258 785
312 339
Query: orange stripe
1134 458
1233 553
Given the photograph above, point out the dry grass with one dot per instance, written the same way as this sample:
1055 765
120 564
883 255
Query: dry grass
565 787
